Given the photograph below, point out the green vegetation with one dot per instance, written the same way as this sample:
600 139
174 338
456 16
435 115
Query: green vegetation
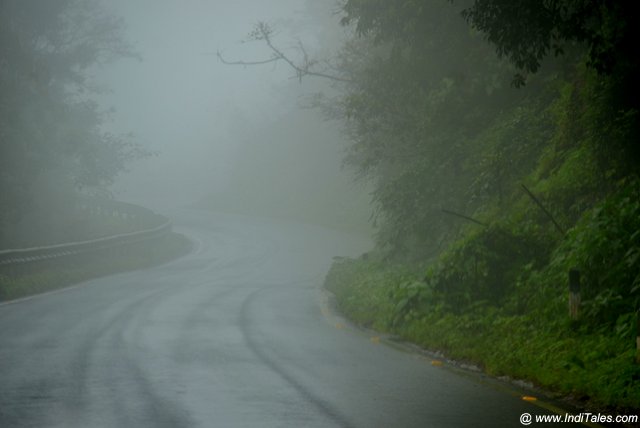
37 277
520 329
486 194
55 152
53 145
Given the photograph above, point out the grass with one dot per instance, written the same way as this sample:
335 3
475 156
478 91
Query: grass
37 277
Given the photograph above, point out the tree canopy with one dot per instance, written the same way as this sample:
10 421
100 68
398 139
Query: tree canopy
524 31
52 145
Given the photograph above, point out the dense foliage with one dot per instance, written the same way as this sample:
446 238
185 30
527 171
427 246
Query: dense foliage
437 128
51 142
487 194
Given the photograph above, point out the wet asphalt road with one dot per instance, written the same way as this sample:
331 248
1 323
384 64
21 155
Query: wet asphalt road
236 334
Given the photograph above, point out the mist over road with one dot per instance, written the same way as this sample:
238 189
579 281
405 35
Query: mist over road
235 334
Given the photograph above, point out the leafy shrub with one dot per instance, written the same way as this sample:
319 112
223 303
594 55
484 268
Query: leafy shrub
485 265
605 246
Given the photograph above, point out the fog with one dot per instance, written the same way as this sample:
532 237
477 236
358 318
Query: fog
490 183
211 125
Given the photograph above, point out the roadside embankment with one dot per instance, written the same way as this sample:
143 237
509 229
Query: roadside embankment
591 369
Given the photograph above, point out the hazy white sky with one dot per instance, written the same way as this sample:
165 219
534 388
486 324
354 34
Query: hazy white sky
181 101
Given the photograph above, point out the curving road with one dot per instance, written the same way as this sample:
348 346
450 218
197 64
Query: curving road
236 334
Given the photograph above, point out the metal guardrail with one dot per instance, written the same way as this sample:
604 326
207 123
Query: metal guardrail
26 255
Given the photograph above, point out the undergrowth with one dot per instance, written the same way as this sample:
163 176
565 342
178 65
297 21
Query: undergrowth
523 329
595 367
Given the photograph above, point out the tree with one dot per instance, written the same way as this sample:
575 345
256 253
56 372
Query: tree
423 88
50 137
524 31
528 30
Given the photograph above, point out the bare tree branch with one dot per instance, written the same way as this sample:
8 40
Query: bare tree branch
224 61
263 32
